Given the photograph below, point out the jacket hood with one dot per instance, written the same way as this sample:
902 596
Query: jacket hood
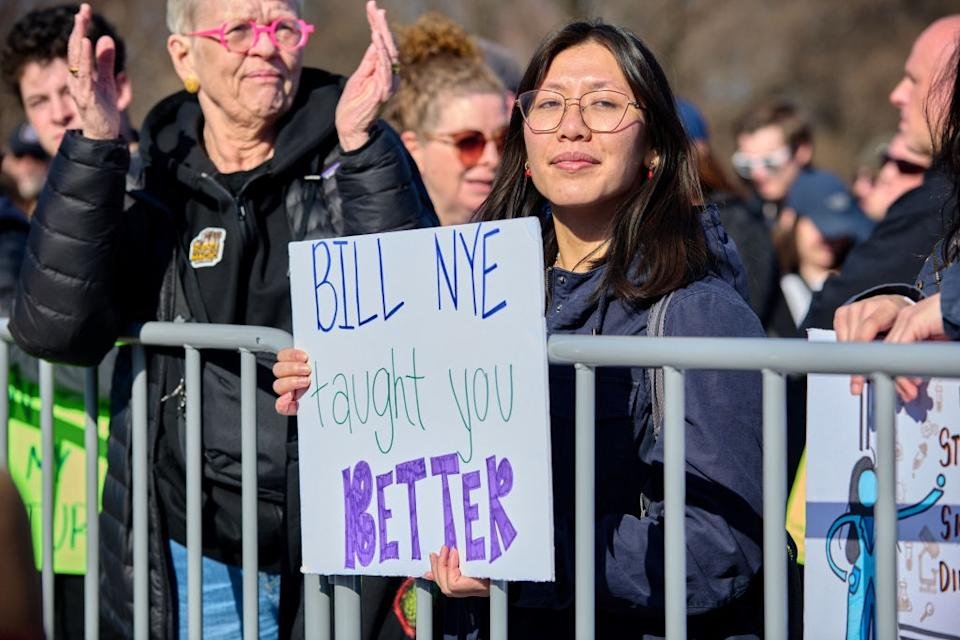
727 263
172 131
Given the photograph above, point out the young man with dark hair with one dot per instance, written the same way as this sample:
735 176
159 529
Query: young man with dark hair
34 67
774 144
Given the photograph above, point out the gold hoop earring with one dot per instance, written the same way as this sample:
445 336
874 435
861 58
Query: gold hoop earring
191 83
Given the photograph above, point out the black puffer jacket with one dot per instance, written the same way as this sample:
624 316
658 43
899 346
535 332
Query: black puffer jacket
93 268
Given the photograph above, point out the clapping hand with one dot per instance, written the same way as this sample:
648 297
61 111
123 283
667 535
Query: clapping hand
92 82
370 86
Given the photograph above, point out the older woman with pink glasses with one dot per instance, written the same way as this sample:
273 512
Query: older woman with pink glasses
256 152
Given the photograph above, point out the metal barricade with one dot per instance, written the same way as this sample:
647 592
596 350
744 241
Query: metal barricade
774 358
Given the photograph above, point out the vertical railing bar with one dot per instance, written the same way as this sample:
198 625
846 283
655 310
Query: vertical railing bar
141 567
91 443
885 511
4 404
674 471
774 505
248 456
424 609
48 466
585 528
498 610
316 607
194 513
346 610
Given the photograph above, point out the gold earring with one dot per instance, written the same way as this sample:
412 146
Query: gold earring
191 83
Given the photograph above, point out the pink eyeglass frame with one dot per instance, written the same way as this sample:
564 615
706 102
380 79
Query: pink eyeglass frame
270 30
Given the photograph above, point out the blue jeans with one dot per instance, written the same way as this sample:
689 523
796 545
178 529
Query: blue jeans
223 597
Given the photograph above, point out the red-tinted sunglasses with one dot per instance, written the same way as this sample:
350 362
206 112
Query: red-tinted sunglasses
471 144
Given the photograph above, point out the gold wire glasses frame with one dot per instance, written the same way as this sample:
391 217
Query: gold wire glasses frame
241 36
602 111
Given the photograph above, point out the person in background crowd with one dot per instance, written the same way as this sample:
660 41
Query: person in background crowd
868 166
741 218
774 146
597 151
451 112
255 153
26 163
35 68
914 223
901 170
828 225
930 309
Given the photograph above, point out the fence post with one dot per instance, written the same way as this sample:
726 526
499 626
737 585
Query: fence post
48 467
774 505
498 610
141 560
674 493
248 457
885 511
91 441
424 609
585 528
316 592
194 496
346 609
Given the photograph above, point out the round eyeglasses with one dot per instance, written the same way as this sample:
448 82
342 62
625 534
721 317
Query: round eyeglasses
602 111
240 36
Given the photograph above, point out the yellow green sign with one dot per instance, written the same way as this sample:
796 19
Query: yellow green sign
25 464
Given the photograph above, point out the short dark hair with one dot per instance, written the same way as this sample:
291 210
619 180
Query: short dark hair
42 35
789 118
657 244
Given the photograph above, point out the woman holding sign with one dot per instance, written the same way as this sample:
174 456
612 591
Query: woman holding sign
595 149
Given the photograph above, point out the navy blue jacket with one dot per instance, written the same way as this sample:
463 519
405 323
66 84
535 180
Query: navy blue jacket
723 444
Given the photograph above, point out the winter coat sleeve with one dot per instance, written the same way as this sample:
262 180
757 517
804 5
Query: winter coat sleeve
950 301
66 309
723 479
381 188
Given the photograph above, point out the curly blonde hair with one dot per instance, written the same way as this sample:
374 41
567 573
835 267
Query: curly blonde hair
438 60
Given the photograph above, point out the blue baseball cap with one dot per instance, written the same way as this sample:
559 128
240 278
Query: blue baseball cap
693 121
825 200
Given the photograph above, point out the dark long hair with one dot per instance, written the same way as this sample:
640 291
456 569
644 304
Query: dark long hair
948 157
656 243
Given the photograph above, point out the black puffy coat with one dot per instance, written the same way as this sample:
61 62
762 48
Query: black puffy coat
94 266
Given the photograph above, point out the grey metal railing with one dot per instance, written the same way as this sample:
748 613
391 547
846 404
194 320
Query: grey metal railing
775 358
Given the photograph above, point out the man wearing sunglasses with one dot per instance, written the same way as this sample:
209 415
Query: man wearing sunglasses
897 248
774 145
900 170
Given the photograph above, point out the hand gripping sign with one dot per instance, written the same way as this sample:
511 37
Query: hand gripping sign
426 422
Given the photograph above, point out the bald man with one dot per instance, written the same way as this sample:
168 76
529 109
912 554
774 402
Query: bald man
900 243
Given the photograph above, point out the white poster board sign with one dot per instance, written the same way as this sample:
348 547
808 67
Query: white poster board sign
427 419
841 452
